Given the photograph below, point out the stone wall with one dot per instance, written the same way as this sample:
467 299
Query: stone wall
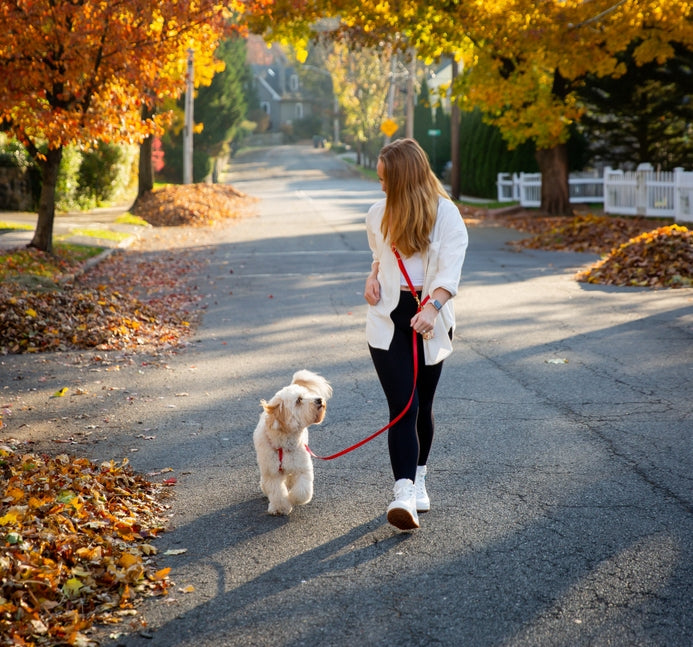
15 189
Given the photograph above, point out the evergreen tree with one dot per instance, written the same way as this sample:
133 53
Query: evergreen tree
646 115
423 118
484 153
442 142
220 108
426 119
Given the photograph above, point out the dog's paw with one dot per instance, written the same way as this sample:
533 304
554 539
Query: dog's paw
279 509
300 497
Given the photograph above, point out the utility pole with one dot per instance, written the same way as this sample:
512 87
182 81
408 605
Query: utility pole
188 130
454 139
335 115
391 93
411 96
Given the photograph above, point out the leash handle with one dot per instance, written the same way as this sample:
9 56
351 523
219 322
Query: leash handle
415 353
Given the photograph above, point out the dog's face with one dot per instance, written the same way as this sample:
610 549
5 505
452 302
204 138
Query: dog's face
299 405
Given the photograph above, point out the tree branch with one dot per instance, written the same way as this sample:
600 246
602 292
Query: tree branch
599 16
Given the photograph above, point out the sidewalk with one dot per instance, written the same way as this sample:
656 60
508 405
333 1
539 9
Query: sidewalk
98 227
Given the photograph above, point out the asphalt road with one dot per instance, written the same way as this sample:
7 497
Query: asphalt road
561 478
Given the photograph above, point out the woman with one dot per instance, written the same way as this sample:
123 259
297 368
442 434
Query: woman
418 220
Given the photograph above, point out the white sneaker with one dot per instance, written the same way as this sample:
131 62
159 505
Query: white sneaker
423 503
401 513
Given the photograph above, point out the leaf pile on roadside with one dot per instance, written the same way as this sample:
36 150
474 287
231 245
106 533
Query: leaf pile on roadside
659 258
122 303
73 546
190 204
639 253
581 233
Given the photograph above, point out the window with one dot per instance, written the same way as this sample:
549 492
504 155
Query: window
265 105
293 83
299 111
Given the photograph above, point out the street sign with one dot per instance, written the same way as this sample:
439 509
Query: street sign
434 132
388 127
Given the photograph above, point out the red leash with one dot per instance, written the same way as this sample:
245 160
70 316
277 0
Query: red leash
415 351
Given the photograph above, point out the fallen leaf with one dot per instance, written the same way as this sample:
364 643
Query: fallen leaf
161 574
72 587
80 536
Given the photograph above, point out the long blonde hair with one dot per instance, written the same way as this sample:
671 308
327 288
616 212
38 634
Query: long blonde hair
412 191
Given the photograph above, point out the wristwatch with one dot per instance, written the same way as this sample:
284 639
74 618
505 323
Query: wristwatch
436 304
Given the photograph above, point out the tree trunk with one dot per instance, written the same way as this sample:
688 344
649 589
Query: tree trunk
145 175
555 194
43 236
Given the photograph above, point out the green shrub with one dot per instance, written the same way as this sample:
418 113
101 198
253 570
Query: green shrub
67 185
98 173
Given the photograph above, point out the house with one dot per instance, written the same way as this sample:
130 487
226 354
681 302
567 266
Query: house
277 85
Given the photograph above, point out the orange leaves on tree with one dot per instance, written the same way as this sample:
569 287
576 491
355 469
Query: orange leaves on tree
81 72
64 558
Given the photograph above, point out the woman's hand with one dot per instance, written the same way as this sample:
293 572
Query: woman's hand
423 321
372 291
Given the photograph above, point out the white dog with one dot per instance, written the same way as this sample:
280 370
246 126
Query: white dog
281 439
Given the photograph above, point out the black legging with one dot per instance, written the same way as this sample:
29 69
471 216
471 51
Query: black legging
410 439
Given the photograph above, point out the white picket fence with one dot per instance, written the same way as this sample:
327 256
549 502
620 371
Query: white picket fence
644 192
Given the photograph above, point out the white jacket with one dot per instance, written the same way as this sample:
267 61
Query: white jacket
442 269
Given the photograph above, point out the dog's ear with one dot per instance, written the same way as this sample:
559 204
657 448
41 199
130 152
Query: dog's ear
271 406
313 382
274 409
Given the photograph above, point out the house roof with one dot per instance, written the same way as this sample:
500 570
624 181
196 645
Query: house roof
273 93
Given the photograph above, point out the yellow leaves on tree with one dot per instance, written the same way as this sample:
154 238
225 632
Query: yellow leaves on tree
529 56
523 60
360 80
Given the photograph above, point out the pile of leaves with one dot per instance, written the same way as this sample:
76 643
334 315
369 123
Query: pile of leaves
47 302
125 302
659 258
596 234
635 253
190 204
73 546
